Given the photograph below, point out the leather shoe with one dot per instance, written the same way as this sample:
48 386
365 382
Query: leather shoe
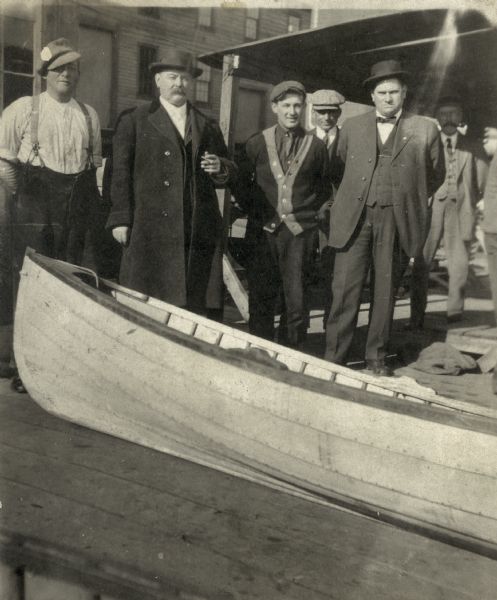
378 367
17 385
413 326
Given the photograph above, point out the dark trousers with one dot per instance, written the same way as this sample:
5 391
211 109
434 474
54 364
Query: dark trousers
374 245
277 275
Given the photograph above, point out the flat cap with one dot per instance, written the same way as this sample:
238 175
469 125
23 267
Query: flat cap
286 87
327 99
55 54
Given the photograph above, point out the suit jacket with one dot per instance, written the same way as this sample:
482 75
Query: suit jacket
148 194
468 183
418 169
335 175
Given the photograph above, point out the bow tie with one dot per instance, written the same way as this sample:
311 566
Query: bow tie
386 120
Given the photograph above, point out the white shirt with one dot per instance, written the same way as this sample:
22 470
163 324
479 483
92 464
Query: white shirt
332 133
177 115
62 134
385 129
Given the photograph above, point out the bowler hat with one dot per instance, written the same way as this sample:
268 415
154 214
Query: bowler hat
174 59
386 69
450 99
55 54
326 99
286 87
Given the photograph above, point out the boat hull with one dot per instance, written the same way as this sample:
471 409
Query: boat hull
87 358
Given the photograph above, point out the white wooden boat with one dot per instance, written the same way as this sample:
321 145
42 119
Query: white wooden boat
111 359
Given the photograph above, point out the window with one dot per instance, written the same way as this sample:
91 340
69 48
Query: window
205 17
17 68
202 85
147 55
252 23
293 23
150 11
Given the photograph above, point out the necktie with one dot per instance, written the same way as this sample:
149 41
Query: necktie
450 148
326 140
386 120
289 142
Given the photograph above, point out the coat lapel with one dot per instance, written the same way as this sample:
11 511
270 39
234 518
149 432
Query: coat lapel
197 129
404 133
161 121
461 155
370 134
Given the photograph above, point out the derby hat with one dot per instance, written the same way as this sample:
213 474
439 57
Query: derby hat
326 99
450 99
174 59
286 87
386 69
55 54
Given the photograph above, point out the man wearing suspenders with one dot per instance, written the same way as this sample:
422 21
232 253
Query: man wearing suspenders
50 146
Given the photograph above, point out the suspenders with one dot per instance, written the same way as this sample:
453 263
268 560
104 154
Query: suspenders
35 119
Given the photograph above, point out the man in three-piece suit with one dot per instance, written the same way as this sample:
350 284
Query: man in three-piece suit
452 213
393 161
167 160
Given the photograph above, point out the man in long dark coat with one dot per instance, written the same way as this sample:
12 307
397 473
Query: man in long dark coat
393 162
167 160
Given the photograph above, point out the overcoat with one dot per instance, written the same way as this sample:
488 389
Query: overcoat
418 169
148 194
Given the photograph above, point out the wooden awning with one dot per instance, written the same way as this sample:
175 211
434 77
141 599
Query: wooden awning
340 56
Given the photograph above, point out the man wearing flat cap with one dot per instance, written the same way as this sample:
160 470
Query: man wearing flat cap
326 110
168 159
50 146
284 183
452 214
393 162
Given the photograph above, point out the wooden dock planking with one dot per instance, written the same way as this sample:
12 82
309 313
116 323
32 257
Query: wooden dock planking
218 536
474 340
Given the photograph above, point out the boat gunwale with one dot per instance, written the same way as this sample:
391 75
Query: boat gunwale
424 409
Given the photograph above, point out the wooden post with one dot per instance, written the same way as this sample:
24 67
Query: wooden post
227 115
10 583
40 587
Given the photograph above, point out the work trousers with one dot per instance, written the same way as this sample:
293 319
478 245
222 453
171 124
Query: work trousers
374 245
277 274
444 223
491 249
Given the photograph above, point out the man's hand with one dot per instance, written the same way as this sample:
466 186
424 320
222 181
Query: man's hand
121 234
210 163
490 140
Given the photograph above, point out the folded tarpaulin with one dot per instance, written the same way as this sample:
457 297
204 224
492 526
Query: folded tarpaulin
443 359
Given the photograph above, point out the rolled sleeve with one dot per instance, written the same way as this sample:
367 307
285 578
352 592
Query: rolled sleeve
13 124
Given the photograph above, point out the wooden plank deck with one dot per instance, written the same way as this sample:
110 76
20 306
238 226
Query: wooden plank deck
124 521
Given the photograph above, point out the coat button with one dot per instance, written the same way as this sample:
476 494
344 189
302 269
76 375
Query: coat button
164 213
166 183
273 225
363 178
167 153
370 160
359 198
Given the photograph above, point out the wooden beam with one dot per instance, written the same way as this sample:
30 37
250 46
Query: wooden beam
227 116
10 583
